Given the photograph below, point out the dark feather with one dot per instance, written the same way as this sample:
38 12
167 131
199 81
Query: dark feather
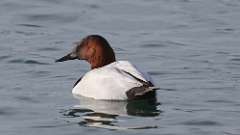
77 81
146 91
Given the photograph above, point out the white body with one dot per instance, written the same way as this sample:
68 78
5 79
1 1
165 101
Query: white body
110 82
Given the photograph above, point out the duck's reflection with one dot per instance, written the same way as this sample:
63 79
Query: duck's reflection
107 114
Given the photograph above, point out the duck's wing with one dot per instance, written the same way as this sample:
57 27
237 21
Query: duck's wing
146 91
141 92
134 70
144 83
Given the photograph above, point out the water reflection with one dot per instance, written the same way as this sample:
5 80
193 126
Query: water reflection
109 114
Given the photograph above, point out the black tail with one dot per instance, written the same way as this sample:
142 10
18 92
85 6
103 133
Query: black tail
146 91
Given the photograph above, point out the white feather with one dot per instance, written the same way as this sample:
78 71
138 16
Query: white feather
110 82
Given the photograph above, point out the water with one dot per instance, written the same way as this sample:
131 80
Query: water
190 47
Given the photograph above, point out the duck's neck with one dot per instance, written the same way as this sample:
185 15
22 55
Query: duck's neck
102 56
101 63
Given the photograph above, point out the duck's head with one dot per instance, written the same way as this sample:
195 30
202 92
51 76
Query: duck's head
95 49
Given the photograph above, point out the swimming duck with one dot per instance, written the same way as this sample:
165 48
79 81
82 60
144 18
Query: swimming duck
108 79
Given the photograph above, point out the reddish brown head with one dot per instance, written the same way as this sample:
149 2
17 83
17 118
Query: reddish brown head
94 49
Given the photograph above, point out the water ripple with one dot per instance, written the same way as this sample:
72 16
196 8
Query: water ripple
201 123
235 59
31 25
34 62
156 73
28 33
221 101
153 45
192 110
26 99
110 114
63 18
49 49
93 6
7 111
4 57
75 112
161 44
30 62
38 73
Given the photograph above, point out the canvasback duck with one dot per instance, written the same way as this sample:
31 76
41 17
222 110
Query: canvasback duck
108 79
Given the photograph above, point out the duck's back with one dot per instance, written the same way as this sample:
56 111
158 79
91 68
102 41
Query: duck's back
111 82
